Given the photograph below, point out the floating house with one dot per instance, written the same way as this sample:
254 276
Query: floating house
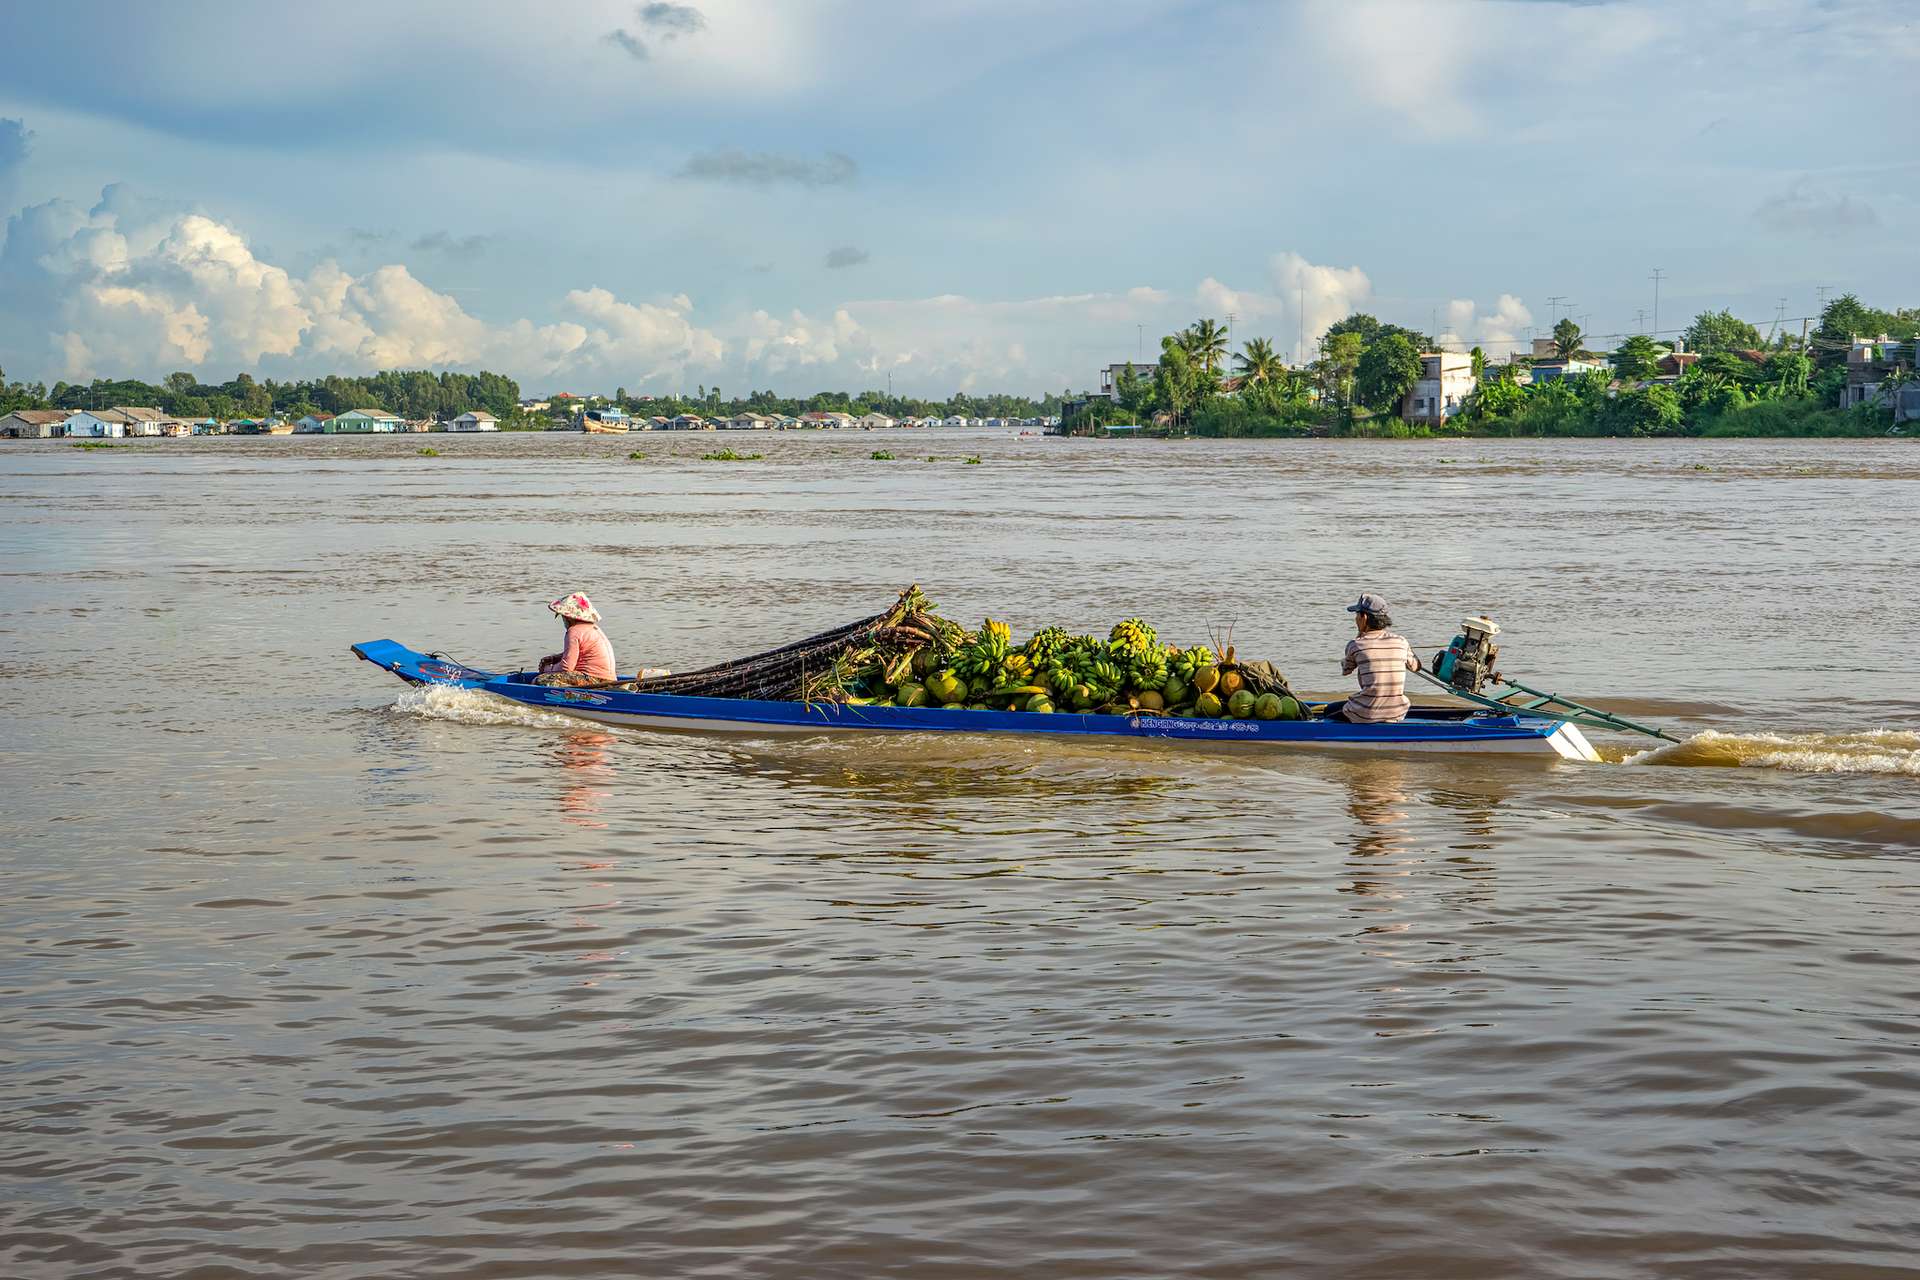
33 424
363 422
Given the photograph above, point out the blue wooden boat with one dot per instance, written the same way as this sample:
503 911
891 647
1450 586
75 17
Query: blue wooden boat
1444 729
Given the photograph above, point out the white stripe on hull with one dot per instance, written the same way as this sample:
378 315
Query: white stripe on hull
1566 741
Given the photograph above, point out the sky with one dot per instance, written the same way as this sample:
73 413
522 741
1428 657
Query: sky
962 195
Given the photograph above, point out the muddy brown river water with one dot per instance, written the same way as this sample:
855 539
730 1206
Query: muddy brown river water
310 975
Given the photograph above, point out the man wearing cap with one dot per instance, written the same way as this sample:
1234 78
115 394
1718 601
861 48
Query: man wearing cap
1381 659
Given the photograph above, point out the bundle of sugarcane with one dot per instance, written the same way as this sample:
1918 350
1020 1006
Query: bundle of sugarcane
806 668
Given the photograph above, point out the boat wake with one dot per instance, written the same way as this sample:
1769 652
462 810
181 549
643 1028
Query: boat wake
470 706
1885 751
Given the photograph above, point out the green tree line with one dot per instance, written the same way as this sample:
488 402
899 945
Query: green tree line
1742 384
411 393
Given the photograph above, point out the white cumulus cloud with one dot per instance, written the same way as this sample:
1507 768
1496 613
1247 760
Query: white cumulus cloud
121 290
1496 331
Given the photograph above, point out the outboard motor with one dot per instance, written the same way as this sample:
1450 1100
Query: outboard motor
1467 663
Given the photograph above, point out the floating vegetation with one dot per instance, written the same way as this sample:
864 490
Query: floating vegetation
92 444
428 452
728 455
636 455
974 461
882 455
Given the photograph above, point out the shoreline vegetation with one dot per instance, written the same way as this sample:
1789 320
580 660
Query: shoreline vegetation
1720 379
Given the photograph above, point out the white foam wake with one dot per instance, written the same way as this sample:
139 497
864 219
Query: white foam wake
1884 751
470 706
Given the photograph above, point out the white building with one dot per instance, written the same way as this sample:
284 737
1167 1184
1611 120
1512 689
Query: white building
1446 380
873 420
475 420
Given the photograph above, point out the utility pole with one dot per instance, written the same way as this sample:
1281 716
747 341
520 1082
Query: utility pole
1553 310
1139 342
1229 339
1640 320
1657 274
1300 342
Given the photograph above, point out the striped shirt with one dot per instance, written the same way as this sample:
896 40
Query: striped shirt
1382 660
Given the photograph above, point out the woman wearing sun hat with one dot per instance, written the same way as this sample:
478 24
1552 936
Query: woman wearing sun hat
586 657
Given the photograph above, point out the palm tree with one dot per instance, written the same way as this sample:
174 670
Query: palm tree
1567 338
1209 344
1258 362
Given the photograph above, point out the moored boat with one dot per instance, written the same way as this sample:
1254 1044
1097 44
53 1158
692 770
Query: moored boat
1451 730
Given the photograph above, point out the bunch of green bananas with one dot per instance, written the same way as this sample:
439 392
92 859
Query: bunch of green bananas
1045 646
1184 662
1084 673
981 654
1137 651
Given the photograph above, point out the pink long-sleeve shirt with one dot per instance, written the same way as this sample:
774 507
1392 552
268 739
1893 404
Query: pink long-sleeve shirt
588 651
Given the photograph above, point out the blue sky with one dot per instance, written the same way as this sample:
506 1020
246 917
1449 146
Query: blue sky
976 194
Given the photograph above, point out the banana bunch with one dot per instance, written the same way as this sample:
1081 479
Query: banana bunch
1084 673
1137 651
1182 663
981 654
1132 637
1045 646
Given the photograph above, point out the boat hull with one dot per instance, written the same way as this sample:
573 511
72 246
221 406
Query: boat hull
1476 734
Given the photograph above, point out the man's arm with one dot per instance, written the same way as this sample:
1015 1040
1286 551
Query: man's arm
1349 661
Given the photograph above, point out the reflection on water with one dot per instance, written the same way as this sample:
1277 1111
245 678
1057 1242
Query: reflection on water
586 768
312 975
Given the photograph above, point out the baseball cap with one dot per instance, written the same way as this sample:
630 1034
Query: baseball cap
1369 603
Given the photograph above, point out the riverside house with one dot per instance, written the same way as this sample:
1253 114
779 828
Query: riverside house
475 420
313 424
121 420
1880 372
33 424
363 422
1446 380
